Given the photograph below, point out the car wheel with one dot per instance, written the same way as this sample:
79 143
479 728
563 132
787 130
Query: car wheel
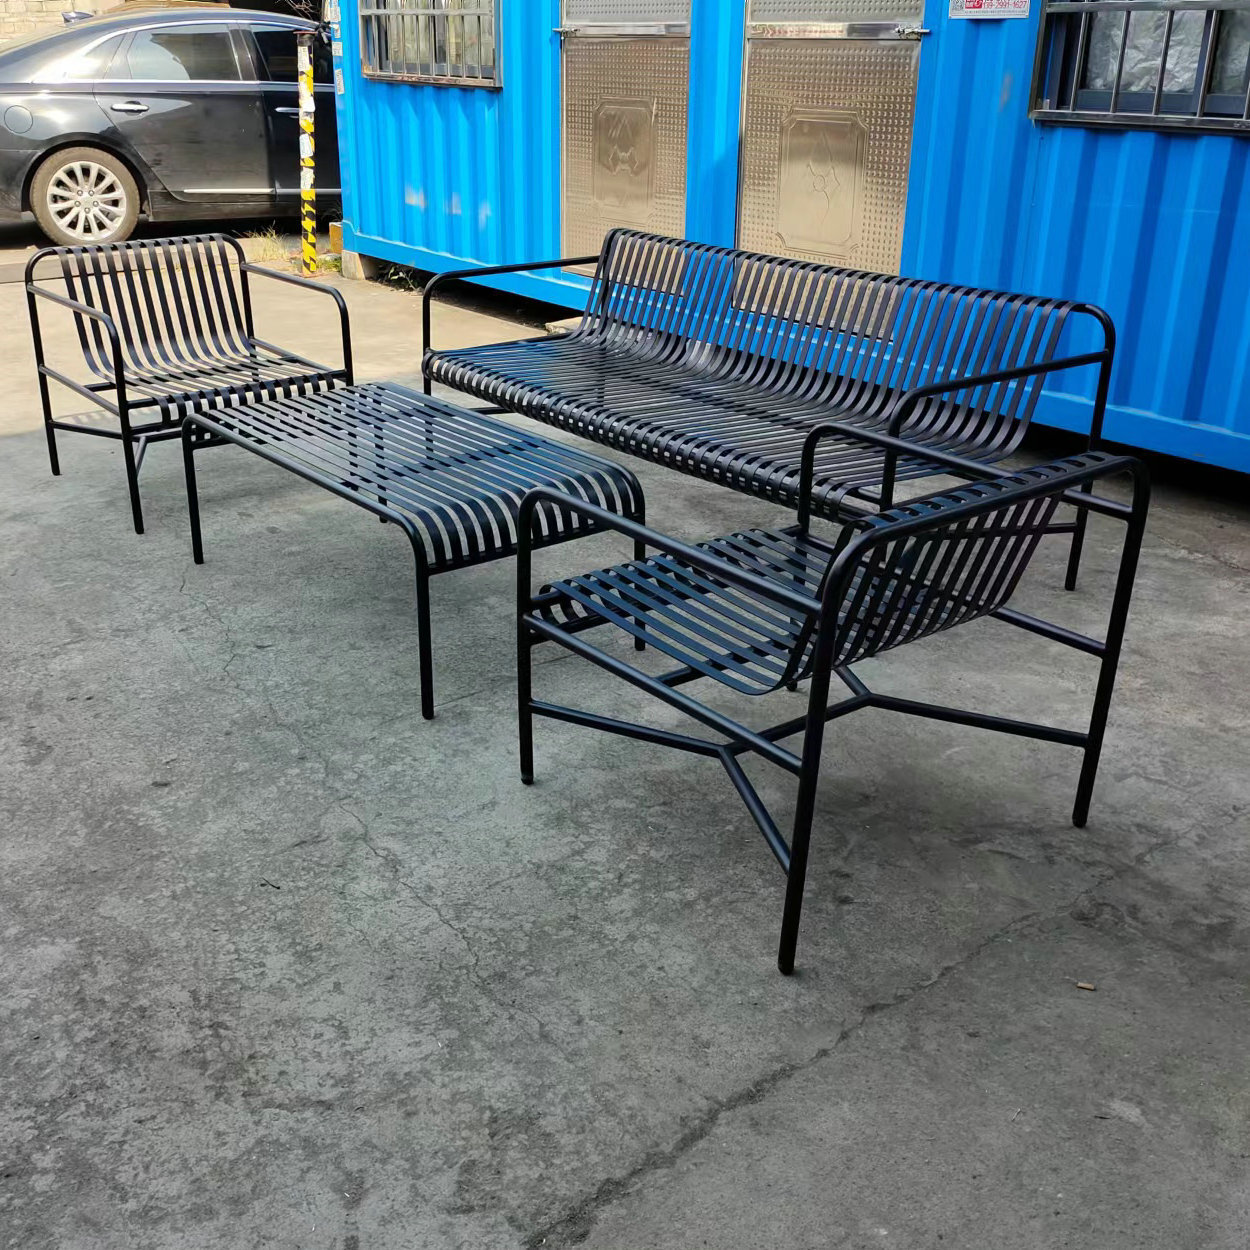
84 195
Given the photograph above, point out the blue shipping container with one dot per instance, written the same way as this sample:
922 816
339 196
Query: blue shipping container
1148 224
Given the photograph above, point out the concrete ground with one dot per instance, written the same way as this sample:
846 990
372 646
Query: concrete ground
285 966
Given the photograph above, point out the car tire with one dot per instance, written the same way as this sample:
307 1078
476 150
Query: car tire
84 195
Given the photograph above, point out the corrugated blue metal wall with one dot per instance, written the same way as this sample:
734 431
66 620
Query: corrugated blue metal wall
447 177
444 177
1151 226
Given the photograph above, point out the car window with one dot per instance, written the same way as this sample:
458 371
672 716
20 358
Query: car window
183 54
79 64
277 55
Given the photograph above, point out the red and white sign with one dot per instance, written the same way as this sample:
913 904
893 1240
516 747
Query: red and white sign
989 8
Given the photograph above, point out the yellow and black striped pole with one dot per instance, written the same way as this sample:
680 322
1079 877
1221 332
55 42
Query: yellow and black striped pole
307 163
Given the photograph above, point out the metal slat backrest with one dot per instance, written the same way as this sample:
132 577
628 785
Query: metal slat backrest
176 303
927 566
847 339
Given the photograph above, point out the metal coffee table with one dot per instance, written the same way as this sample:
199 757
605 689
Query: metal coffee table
452 480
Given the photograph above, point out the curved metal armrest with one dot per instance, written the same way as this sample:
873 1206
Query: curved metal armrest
910 399
1102 464
484 271
891 444
35 291
696 557
894 446
248 267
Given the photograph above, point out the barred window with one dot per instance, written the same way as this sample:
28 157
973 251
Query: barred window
1162 64
451 42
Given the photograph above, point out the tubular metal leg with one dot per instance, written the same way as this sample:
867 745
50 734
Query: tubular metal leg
524 698
796 874
132 481
640 553
1093 747
424 645
1078 544
1115 641
49 429
193 495
1085 787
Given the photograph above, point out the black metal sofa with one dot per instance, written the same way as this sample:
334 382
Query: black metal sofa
720 363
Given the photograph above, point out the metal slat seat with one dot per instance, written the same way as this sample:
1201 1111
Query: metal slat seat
735 635
453 481
722 364
166 329
763 609
178 391
746 641
734 433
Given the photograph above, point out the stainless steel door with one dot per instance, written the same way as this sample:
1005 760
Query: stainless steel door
626 69
828 105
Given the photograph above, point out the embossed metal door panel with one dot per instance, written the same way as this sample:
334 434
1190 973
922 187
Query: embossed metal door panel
622 13
827 121
626 70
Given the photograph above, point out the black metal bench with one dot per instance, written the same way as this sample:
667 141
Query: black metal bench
166 329
764 609
719 363
453 481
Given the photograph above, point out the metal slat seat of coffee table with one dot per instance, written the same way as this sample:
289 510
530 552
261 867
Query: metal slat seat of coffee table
452 480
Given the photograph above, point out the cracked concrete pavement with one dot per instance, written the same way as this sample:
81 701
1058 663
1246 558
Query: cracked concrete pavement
287 967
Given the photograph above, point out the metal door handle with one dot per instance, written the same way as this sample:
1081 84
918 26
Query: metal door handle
834 30
294 108
612 30
130 106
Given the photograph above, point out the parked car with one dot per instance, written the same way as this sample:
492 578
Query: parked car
173 113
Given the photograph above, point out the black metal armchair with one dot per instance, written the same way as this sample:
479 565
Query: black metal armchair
766 609
166 330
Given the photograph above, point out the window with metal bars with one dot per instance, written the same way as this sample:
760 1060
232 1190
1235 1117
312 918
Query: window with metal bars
1158 64
450 42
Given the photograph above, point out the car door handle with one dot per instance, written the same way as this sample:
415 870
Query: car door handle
129 106
285 109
